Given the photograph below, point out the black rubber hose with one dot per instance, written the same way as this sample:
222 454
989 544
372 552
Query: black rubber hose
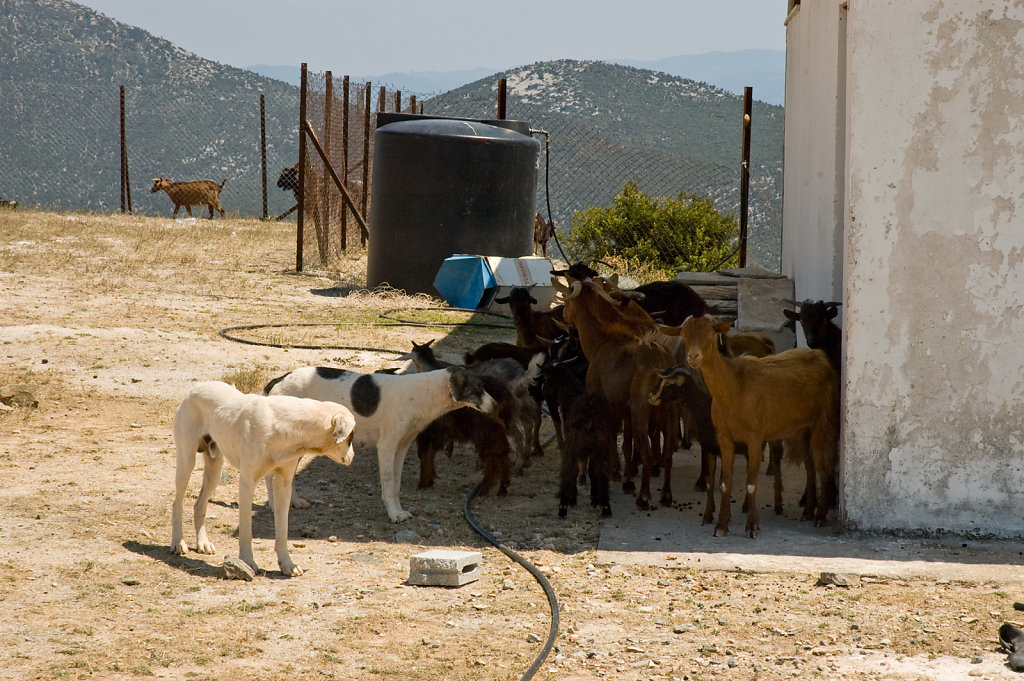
541 579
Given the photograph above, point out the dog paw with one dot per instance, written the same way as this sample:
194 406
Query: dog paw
291 570
400 516
205 546
299 502
179 548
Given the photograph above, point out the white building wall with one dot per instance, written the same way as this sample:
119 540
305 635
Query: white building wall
813 173
934 263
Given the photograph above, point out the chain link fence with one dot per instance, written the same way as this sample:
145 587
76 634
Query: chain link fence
47 162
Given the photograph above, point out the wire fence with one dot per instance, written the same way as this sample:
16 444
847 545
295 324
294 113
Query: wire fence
61 150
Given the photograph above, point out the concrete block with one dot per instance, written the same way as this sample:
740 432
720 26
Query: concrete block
761 303
440 567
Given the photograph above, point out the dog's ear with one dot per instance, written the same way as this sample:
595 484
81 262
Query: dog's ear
342 423
342 426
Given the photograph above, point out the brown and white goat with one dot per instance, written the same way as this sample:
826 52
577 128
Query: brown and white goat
792 396
193 193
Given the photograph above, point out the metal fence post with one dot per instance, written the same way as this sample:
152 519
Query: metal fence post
748 97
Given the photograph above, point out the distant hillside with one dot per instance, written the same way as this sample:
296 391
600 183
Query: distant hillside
189 117
610 123
419 83
61 65
763 70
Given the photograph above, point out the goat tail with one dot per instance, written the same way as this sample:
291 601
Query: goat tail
223 182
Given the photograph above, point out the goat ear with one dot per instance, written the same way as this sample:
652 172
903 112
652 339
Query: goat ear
501 301
721 327
791 314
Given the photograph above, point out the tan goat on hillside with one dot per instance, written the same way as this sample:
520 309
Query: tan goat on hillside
188 194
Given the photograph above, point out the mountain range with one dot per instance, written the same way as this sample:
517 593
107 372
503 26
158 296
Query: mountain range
186 117
764 70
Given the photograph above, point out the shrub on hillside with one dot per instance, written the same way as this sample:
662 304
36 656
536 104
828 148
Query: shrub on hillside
674 235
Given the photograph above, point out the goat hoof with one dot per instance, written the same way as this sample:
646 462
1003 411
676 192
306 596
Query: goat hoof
606 512
720 532
643 504
701 485
562 511
752 533
666 501
628 486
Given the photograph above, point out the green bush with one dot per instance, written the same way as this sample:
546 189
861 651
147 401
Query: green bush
673 235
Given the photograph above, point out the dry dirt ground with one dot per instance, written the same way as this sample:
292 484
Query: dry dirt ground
108 319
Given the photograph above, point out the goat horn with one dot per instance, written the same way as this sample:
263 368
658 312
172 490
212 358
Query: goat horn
574 290
557 284
606 295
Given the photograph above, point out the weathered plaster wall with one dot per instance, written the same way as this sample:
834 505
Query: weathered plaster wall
934 266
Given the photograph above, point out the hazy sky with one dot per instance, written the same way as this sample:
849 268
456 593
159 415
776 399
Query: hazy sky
371 38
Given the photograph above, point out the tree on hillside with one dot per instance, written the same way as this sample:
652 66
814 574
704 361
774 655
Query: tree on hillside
669 235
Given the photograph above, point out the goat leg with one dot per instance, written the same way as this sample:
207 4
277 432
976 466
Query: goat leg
709 505
629 457
775 467
725 486
642 450
567 488
599 493
754 449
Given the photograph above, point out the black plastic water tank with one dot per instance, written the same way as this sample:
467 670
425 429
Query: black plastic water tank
443 186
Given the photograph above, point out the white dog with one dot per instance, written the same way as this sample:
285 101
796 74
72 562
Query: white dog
259 436
390 410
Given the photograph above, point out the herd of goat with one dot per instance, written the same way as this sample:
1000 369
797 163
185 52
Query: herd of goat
654 366
650 364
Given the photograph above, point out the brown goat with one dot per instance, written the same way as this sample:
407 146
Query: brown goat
543 230
535 329
624 367
792 396
188 194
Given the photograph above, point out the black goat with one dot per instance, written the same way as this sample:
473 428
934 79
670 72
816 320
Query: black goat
288 180
820 331
590 431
